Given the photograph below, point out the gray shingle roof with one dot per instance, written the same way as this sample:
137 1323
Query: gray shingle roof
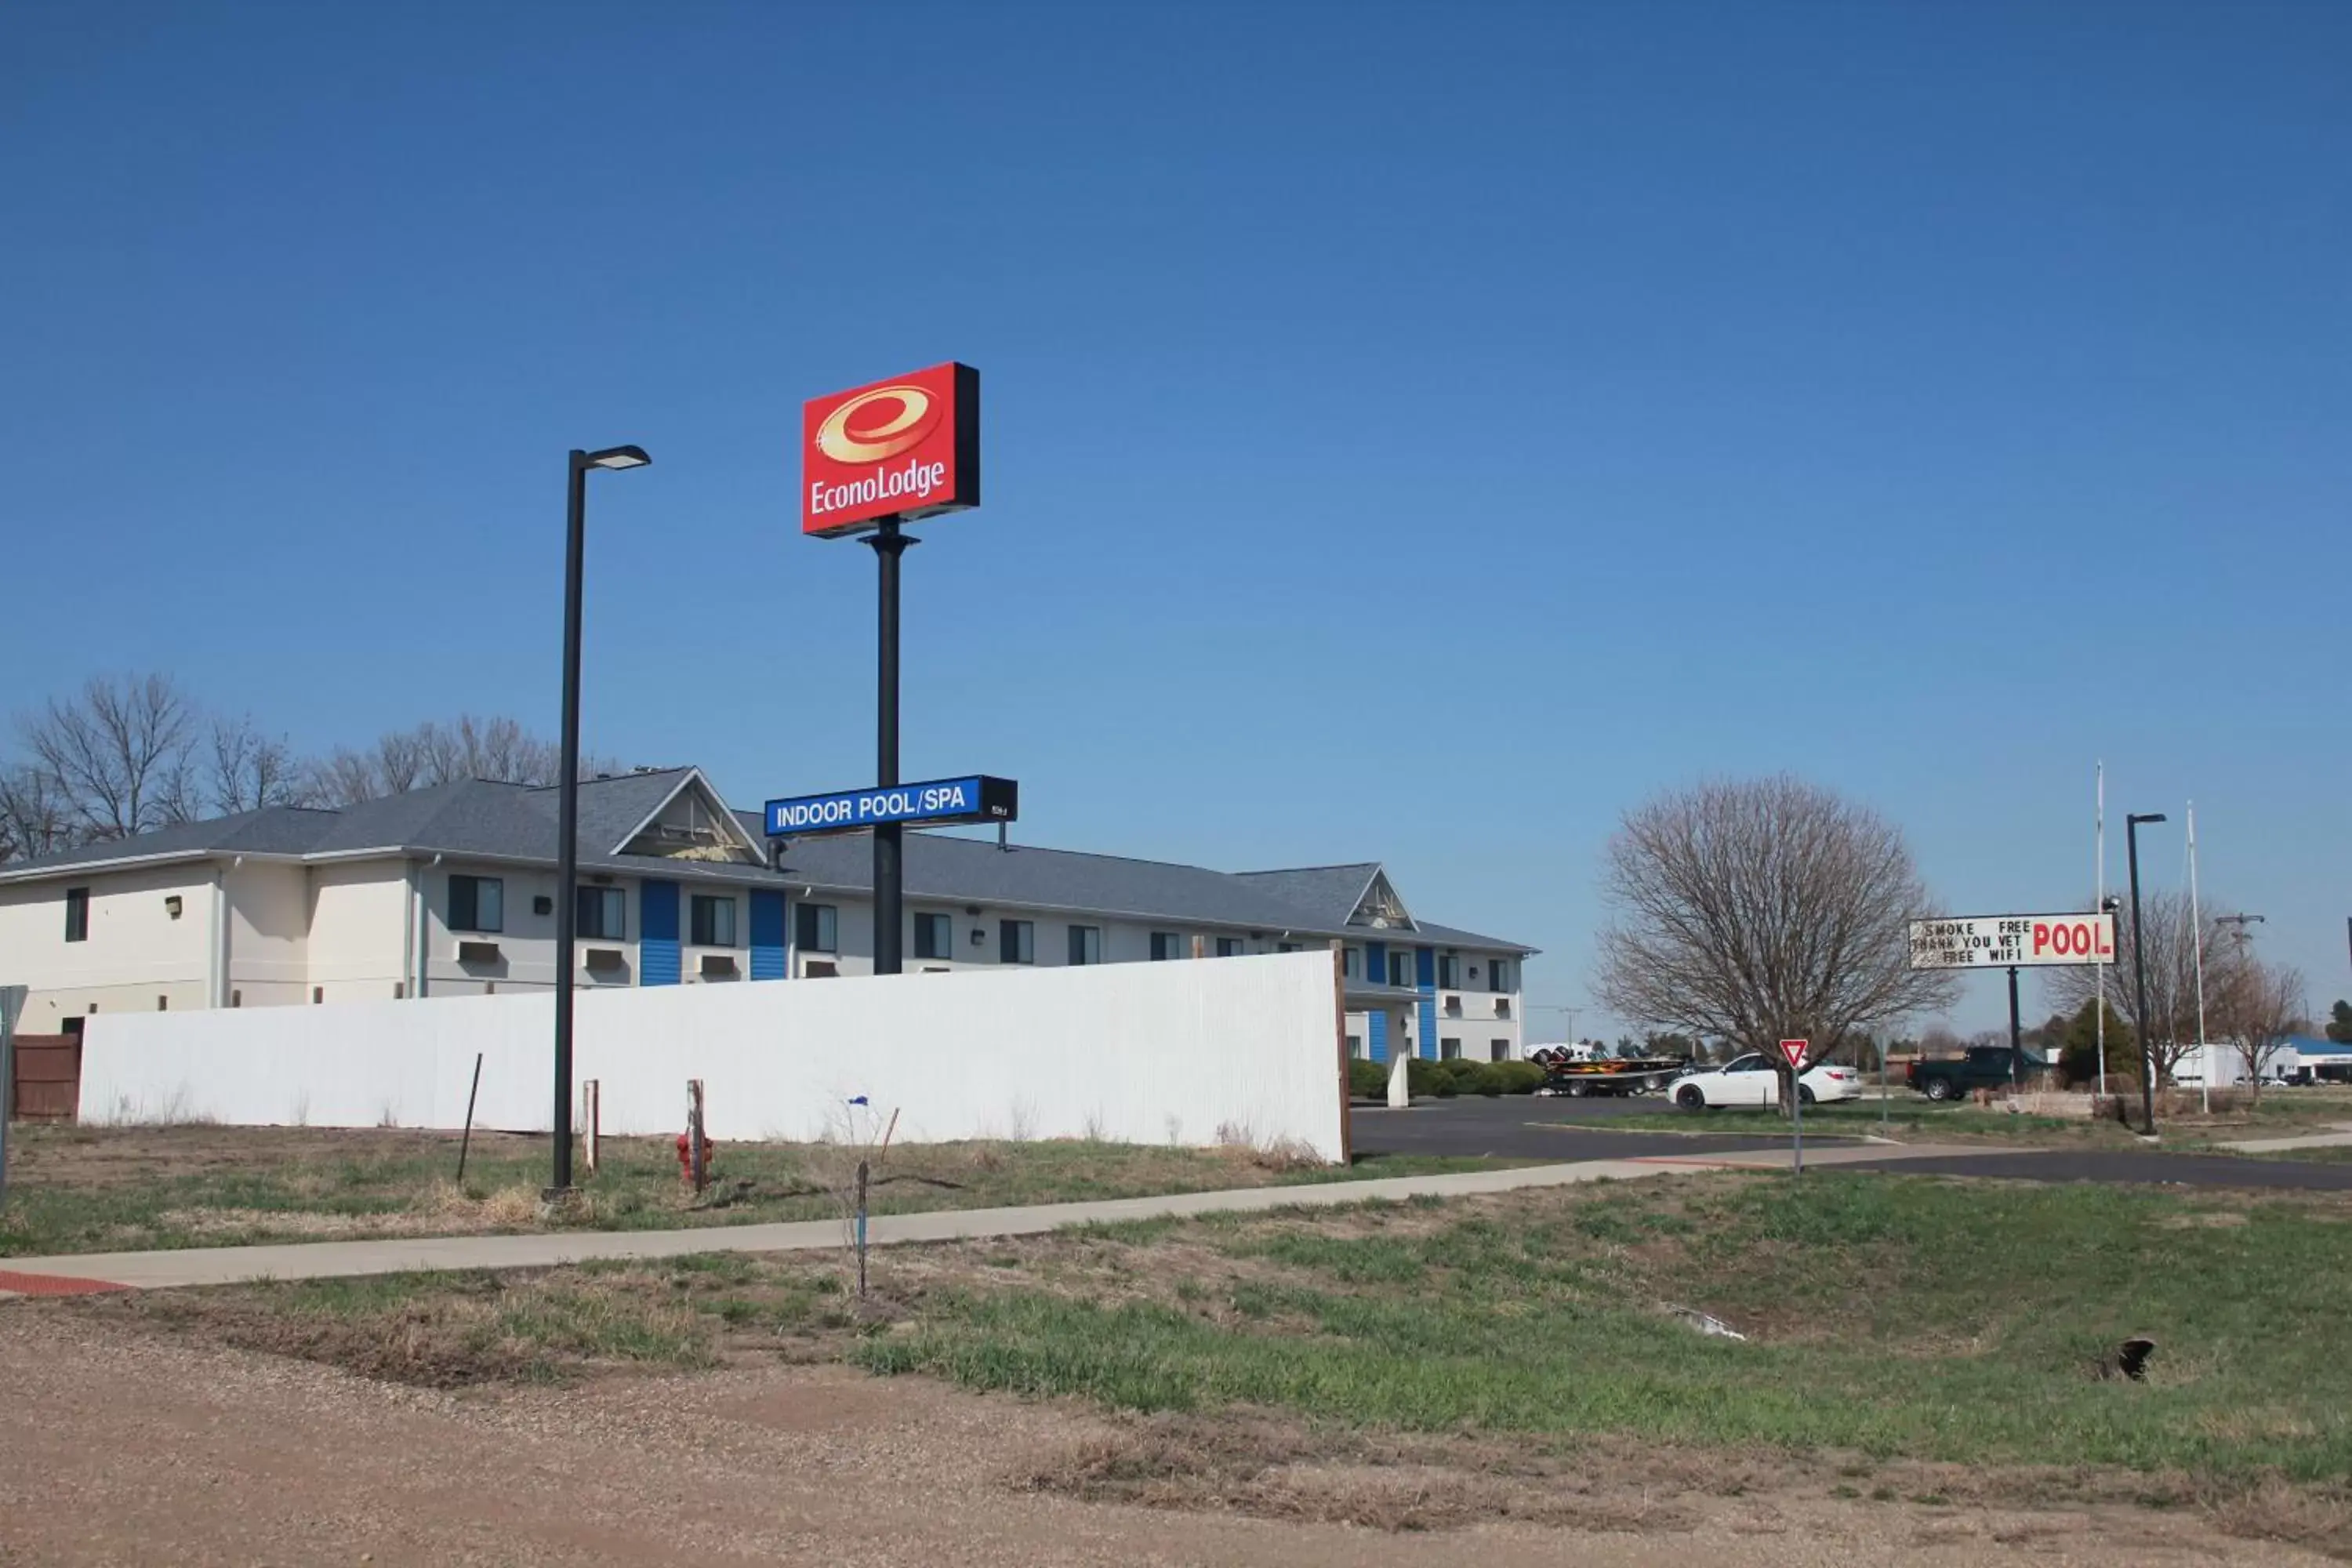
976 871
1330 891
516 822
280 830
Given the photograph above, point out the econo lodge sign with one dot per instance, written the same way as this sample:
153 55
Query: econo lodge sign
904 447
1997 942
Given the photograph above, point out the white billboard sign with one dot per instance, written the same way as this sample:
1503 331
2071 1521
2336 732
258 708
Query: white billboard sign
1998 941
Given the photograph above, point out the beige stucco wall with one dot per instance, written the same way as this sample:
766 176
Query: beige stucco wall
136 951
267 931
357 913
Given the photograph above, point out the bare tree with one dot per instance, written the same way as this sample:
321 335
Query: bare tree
250 770
118 753
2170 947
1763 910
35 819
1938 1039
2256 1007
498 749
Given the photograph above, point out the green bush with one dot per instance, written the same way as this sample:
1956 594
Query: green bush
1367 1079
1468 1077
1516 1077
1427 1077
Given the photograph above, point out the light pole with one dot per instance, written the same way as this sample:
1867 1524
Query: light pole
567 810
2139 976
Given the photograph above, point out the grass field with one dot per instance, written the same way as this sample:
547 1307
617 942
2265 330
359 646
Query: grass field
120 1189
1888 1317
1893 1323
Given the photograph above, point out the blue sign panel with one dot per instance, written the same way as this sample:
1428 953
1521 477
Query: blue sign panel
938 801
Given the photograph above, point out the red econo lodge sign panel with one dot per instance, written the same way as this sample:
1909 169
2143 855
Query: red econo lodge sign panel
907 448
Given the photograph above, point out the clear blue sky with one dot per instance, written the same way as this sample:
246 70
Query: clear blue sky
1411 433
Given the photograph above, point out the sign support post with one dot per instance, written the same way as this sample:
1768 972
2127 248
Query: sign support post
12 1006
889 865
2016 1039
1794 1050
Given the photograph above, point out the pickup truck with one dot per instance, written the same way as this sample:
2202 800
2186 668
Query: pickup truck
1980 1067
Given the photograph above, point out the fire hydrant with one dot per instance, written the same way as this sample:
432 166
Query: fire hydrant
685 1160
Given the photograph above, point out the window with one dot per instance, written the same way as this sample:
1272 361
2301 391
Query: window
77 914
1449 1049
1502 1006
599 913
1286 947
1085 945
1453 1006
1356 1047
1166 944
1016 942
1499 977
934 935
710 922
818 928
1498 1050
1449 973
1229 947
478 903
1401 969
1351 962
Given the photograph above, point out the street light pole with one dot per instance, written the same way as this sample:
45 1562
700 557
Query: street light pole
2139 975
567 808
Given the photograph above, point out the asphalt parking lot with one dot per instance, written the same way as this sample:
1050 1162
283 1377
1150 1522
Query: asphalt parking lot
1521 1128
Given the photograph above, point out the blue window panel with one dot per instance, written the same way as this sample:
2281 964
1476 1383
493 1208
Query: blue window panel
1425 974
1376 964
657 958
767 935
1376 1035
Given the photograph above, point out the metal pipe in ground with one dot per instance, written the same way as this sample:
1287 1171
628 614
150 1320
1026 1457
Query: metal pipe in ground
466 1141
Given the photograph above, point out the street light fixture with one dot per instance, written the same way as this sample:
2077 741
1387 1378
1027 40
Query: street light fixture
2139 976
567 818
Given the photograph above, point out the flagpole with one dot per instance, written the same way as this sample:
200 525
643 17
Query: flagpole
2197 928
2099 879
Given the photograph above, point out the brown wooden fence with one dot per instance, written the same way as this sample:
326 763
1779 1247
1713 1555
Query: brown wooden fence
48 1078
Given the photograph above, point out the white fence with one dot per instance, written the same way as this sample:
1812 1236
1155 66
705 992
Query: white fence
1186 1052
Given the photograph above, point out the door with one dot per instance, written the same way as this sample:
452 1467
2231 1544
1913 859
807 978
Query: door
1750 1080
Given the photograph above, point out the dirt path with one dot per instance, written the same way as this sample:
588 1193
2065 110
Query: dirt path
123 1447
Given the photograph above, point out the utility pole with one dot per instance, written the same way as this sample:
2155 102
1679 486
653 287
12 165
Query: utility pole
2139 976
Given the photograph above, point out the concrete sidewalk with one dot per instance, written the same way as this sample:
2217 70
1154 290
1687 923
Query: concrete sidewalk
346 1259
342 1259
2339 1138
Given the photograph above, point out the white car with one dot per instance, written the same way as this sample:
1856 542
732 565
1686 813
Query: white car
1754 1079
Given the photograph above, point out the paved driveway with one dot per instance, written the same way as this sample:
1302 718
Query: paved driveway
1522 1127
1518 1127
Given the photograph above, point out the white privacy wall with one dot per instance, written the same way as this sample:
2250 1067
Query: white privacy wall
1183 1052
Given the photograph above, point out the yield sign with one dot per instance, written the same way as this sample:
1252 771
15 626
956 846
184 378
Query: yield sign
1795 1051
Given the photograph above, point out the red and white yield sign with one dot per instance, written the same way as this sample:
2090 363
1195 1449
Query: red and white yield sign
1795 1051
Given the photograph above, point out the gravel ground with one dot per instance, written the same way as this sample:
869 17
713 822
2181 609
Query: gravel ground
118 1446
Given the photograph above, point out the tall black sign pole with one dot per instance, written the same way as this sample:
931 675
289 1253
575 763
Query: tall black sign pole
2016 1043
888 868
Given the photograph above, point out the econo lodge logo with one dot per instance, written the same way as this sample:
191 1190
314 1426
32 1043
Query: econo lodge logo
876 424
904 447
